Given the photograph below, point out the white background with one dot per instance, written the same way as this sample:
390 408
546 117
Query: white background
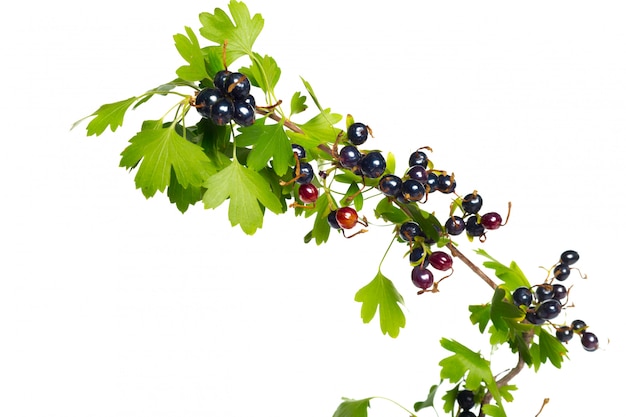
113 305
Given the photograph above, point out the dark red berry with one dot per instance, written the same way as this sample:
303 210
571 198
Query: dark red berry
347 217
422 277
491 220
440 260
308 193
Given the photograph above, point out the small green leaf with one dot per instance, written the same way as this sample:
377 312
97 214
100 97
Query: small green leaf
512 276
551 348
352 408
386 210
108 115
189 48
503 313
321 228
240 33
480 315
493 410
380 294
246 189
429 401
269 142
181 196
263 73
297 103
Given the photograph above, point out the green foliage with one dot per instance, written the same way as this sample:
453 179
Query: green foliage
353 408
268 142
512 275
429 401
380 294
189 48
108 115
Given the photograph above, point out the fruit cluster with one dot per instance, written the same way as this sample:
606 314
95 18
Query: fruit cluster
228 100
368 165
465 399
544 302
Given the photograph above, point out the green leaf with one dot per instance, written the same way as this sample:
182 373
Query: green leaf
504 313
189 48
352 408
386 210
321 228
318 130
246 189
353 195
309 90
163 89
240 33
512 276
161 149
466 361
181 196
427 222
380 294
551 348
493 410
297 103
429 401
480 315
269 142
108 115
263 73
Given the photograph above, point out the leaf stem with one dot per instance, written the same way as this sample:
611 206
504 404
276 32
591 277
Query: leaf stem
398 404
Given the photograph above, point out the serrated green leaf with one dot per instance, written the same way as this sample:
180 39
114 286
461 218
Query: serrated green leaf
109 115
158 150
381 295
246 189
512 276
502 312
353 196
428 222
551 348
263 73
318 130
321 228
493 410
240 33
189 48
429 401
352 408
480 314
181 196
386 210
269 142
298 103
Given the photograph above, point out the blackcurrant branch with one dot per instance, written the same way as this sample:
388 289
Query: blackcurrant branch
457 253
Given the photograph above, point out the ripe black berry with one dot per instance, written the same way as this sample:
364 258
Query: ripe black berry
298 150
522 296
349 156
579 326
569 257
422 277
418 173
206 99
220 80
472 203
564 334
332 220
237 86
244 113
590 341
561 272
465 399
357 133
431 182
418 158
548 309
455 225
306 173
373 165
473 228
413 190
445 183
418 256
544 292
560 292
533 318
410 230
222 112
390 185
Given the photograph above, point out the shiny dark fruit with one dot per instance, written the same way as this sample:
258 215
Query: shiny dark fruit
561 272
222 112
472 203
522 296
237 86
564 334
357 133
372 165
244 114
413 190
410 230
306 173
308 193
589 341
349 156
549 309
473 228
332 220
418 158
418 173
206 99
220 80
347 217
446 184
569 257
465 399
440 260
455 225
422 277
298 150
390 185
491 220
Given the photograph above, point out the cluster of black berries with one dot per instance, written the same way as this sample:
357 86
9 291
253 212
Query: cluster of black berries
303 174
417 182
471 222
465 399
544 302
229 100
369 165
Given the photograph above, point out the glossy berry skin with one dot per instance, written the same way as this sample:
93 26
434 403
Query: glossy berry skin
522 296
244 114
237 86
418 173
473 228
589 341
357 133
251 101
561 272
298 150
549 309
440 260
418 158
332 220
445 184
533 318
422 277
418 256
410 230
220 80
564 334
579 326
306 173
390 185
569 257
466 413
347 217
349 156
560 292
373 165
431 182
472 203
455 225
491 220
544 292
206 99
465 399
413 190
308 193
222 112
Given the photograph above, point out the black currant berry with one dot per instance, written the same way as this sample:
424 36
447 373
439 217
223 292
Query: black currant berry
206 99
418 158
251 101
373 165
473 228
466 413
413 190
349 156
220 80
440 260
579 326
306 173
560 292
244 114
419 256
455 225
544 292
431 182
548 309
332 220
357 133
590 341
465 399
237 86
418 173
410 230
298 150
522 296
569 257
222 112
564 334
472 203
446 184
561 272
422 277
390 185
533 318
491 220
